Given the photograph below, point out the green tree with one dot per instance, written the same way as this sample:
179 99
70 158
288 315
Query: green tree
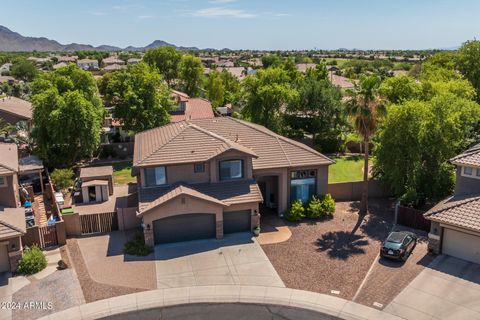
166 60
215 90
139 97
266 95
365 110
415 142
62 178
397 89
67 116
271 60
191 75
24 70
468 61
320 112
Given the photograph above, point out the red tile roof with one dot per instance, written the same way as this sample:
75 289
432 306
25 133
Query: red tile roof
196 108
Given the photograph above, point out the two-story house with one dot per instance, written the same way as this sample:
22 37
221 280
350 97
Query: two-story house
206 178
12 216
187 108
455 228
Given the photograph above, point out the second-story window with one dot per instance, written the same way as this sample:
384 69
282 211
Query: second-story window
199 167
467 171
3 182
231 169
155 176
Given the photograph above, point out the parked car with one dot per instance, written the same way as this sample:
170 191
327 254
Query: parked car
399 245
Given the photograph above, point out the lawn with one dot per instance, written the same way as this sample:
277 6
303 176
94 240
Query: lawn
122 173
346 169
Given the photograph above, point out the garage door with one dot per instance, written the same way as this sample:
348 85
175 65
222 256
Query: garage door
236 221
184 228
461 245
4 259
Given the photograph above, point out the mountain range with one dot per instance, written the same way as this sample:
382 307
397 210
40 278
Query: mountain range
13 41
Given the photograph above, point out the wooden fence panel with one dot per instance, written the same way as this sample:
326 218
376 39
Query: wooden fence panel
413 218
48 236
99 222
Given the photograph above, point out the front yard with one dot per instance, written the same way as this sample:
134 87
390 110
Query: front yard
327 257
346 169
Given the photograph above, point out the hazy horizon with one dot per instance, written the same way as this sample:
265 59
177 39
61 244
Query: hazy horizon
246 24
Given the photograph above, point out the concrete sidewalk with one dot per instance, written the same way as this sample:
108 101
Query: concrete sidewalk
236 259
324 305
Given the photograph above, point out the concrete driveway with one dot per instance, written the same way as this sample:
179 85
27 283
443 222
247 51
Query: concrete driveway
236 259
448 288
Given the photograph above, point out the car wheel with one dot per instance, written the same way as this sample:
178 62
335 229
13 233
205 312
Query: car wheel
405 256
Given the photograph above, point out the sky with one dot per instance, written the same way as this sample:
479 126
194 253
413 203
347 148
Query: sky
249 24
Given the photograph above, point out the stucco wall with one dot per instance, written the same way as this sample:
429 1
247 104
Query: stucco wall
466 185
9 196
185 173
231 155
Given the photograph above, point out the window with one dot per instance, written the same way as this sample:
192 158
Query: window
3 182
155 176
467 171
302 185
478 172
231 169
199 167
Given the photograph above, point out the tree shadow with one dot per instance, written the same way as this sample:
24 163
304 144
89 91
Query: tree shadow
379 220
341 245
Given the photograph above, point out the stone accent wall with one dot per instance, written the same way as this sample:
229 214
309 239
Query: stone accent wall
255 221
148 234
219 229
15 257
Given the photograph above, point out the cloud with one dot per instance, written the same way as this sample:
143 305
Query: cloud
222 12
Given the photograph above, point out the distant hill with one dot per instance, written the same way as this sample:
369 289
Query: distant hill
13 41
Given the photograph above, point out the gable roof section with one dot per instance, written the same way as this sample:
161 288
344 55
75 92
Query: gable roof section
12 222
196 108
183 143
460 211
224 194
18 107
9 158
471 157
92 172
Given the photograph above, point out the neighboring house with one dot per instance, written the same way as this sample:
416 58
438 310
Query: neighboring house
114 67
5 68
339 81
88 64
112 60
187 108
206 178
238 72
455 228
67 59
96 184
60 65
303 67
16 111
12 216
133 60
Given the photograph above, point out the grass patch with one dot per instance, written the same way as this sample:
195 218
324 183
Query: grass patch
122 173
346 169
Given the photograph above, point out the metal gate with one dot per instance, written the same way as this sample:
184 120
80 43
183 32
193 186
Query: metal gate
99 222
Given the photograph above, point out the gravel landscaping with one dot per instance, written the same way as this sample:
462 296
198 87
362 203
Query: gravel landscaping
325 255
93 290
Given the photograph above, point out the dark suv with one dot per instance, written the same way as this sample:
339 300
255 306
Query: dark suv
399 245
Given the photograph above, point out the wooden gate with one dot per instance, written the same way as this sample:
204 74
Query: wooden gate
413 218
99 222
48 236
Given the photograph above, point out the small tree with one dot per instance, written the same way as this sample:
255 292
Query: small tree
24 70
33 261
62 178
296 211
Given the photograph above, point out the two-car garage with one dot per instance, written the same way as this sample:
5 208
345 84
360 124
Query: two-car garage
195 226
461 245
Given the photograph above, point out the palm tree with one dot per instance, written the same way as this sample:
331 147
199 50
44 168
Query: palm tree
365 109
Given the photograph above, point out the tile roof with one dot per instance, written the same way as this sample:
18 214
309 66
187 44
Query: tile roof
471 157
92 172
16 106
271 149
30 163
196 108
340 81
224 193
9 158
303 67
12 222
95 183
188 144
460 211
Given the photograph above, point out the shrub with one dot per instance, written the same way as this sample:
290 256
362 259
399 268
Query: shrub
137 246
321 207
62 178
33 261
296 211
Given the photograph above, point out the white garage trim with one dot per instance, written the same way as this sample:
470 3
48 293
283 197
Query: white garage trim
461 245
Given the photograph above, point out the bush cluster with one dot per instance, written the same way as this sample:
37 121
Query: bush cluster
33 261
315 208
137 246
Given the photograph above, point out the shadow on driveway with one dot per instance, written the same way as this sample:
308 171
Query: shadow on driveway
182 249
